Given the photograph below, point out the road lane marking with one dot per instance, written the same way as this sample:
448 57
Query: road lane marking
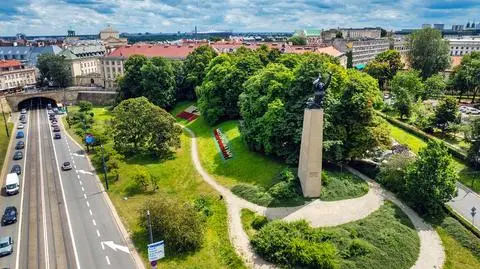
42 189
19 235
115 247
108 260
103 247
84 195
78 155
85 172
78 176
77 261
81 183
94 223
88 204
83 189
90 211
98 233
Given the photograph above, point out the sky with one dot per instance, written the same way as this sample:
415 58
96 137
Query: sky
50 17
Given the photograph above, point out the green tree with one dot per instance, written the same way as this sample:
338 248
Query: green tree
178 223
406 87
429 52
298 40
392 172
385 66
431 179
158 82
85 106
140 176
130 85
446 113
195 68
140 126
434 86
179 75
466 76
54 69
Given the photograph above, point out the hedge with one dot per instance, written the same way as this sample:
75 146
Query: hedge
456 152
463 221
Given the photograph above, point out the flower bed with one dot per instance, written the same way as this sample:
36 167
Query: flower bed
187 116
222 143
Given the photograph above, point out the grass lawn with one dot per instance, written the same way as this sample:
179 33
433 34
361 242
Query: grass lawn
458 257
4 140
339 185
178 179
389 233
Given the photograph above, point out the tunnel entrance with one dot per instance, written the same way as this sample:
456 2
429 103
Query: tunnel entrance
36 102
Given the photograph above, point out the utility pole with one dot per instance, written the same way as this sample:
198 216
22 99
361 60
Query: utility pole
104 167
149 226
4 119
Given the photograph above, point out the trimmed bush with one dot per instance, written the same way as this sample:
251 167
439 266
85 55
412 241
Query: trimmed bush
252 193
259 221
283 190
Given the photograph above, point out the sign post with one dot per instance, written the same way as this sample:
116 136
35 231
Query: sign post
156 251
89 140
473 213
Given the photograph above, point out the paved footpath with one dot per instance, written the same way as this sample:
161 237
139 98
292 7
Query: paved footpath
321 214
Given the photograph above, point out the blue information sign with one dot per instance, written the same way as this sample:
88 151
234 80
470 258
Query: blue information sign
156 251
89 139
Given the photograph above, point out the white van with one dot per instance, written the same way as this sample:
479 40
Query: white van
12 185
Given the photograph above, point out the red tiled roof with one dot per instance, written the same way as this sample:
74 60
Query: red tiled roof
9 63
167 51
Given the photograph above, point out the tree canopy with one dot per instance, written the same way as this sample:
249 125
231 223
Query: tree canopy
195 68
406 88
466 76
54 69
140 126
434 86
429 52
446 113
385 66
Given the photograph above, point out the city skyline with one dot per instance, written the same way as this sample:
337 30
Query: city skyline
50 17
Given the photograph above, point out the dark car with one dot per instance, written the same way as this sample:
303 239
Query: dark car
16 168
54 120
57 136
10 215
56 129
18 155
20 134
20 145
24 121
22 117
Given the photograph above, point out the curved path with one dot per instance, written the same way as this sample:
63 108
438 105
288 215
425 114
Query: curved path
320 214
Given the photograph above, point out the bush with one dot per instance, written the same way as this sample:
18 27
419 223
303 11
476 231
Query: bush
259 221
252 193
203 205
392 173
283 191
359 247
179 224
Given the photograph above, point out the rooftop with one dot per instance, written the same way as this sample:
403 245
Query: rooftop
167 51
9 63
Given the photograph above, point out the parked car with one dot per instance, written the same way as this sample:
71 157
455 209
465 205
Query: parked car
20 134
56 129
6 246
20 126
24 111
18 155
20 145
24 121
55 124
66 166
17 169
10 215
12 184
22 117
57 136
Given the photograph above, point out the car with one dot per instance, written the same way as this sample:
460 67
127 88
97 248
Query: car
20 126
20 145
24 121
56 129
23 111
18 155
54 120
10 215
57 136
66 166
22 117
20 134
16 168
55 124
6 245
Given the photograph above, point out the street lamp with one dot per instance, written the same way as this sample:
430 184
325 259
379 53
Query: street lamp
473 213
149 226
104 167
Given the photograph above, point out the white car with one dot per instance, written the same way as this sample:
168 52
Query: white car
20 126
24 111
474 111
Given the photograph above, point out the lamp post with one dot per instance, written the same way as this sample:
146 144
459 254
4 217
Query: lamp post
4 119
473 213
149 226
104 167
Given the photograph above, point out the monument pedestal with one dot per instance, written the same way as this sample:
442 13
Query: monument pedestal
310 163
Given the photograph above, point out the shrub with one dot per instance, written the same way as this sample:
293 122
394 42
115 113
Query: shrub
177 223
203 205
392 173
252 193
359 247
259 221
283 190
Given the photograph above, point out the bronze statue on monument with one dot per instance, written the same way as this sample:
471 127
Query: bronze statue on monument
316 101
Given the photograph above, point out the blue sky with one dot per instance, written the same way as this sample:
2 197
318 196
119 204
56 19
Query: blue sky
44 17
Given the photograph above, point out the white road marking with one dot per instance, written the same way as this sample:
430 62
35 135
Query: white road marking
98 233
85 172
78 176
103 247
81 183
90 211
19 235
78 155
94 223
84 195
42 189
115 247
108 260
88 204
77 261
83 189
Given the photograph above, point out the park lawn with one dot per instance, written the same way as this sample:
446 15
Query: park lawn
457 257
247 216
179 180
392 237
4 141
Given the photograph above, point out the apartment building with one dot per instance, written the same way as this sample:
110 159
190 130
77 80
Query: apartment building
465 45
14 75
363 51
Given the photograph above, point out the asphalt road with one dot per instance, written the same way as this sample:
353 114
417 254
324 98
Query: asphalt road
463 203
64 217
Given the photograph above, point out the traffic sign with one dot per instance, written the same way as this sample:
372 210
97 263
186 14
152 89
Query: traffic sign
156 251
89 139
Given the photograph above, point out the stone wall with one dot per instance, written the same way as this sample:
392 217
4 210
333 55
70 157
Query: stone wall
97 98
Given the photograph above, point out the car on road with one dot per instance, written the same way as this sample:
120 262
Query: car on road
20 145
55 124
54 120
24 111
57 136
22 117
6 246
12 184
20 126
56 129
18 155
24 121
17 169
66 166
10 215
20 134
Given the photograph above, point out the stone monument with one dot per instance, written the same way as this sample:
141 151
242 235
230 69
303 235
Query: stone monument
310 163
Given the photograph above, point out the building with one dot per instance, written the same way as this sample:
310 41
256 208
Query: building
439 26
457 27
363 51
356 33
111 38
463 45
313 36
14 75
27 55
84 63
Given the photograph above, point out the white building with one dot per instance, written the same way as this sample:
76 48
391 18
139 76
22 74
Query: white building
461 46
14 75
363 51
84 63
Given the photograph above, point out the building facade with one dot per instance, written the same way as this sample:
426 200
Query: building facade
14 75
355 33
84 64
462 46
363 51
111 38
